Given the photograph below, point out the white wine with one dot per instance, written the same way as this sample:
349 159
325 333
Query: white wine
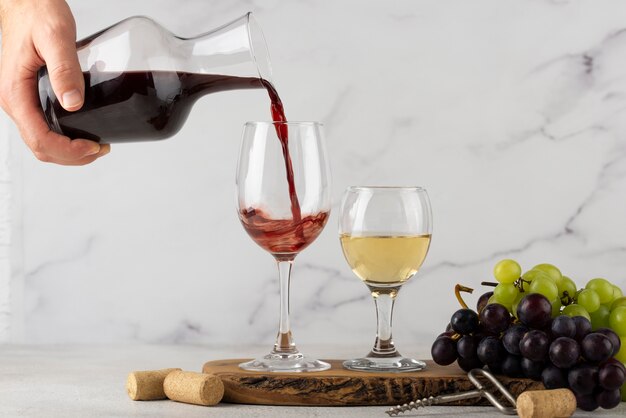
385 260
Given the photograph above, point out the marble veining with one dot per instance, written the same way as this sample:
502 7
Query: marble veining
509 113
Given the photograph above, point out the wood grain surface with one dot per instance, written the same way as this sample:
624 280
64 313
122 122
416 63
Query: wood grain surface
340 387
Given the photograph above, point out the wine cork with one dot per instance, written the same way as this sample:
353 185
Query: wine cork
196 388
546 403
147 385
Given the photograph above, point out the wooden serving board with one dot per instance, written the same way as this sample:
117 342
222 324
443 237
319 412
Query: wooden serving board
341 387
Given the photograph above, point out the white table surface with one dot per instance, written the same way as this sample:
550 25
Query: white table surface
88 381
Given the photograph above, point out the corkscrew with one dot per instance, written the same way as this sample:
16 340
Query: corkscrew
480 392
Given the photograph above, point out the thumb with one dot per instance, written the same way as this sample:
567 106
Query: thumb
66 77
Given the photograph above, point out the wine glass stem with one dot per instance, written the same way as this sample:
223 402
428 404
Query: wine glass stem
384 299
284 340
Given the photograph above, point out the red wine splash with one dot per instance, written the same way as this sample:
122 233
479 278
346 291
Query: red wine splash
278 236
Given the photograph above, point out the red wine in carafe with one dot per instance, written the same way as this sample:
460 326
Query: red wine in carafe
135 105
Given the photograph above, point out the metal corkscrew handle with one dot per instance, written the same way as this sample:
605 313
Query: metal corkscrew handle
480 392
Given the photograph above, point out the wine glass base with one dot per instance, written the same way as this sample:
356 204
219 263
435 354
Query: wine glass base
292 363
384 364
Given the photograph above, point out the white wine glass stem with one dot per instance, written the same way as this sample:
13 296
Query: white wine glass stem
284 341
384 300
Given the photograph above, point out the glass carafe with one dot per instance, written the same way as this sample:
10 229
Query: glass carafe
141 80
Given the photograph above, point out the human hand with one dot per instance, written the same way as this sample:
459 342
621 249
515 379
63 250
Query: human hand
37 33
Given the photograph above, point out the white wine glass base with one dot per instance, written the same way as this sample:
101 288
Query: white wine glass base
275 362
392 364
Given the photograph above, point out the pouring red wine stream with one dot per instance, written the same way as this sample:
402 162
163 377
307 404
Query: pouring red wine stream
153 105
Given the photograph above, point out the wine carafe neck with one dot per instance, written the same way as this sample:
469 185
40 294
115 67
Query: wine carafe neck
236 49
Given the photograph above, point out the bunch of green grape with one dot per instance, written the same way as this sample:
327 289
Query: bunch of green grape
600 301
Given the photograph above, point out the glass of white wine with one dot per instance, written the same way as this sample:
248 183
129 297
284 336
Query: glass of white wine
385 234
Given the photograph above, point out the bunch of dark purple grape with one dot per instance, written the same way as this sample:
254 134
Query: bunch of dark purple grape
562 352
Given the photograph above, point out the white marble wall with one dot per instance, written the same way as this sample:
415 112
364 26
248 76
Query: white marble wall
511 113
5 231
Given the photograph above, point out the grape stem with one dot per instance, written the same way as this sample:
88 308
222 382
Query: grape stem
519 283
566 299
457 291
492 284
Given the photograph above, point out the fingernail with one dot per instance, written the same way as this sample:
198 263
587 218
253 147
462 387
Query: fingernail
71 99
104 149
93 150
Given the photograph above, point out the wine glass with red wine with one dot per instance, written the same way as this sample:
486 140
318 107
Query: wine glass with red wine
283 196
